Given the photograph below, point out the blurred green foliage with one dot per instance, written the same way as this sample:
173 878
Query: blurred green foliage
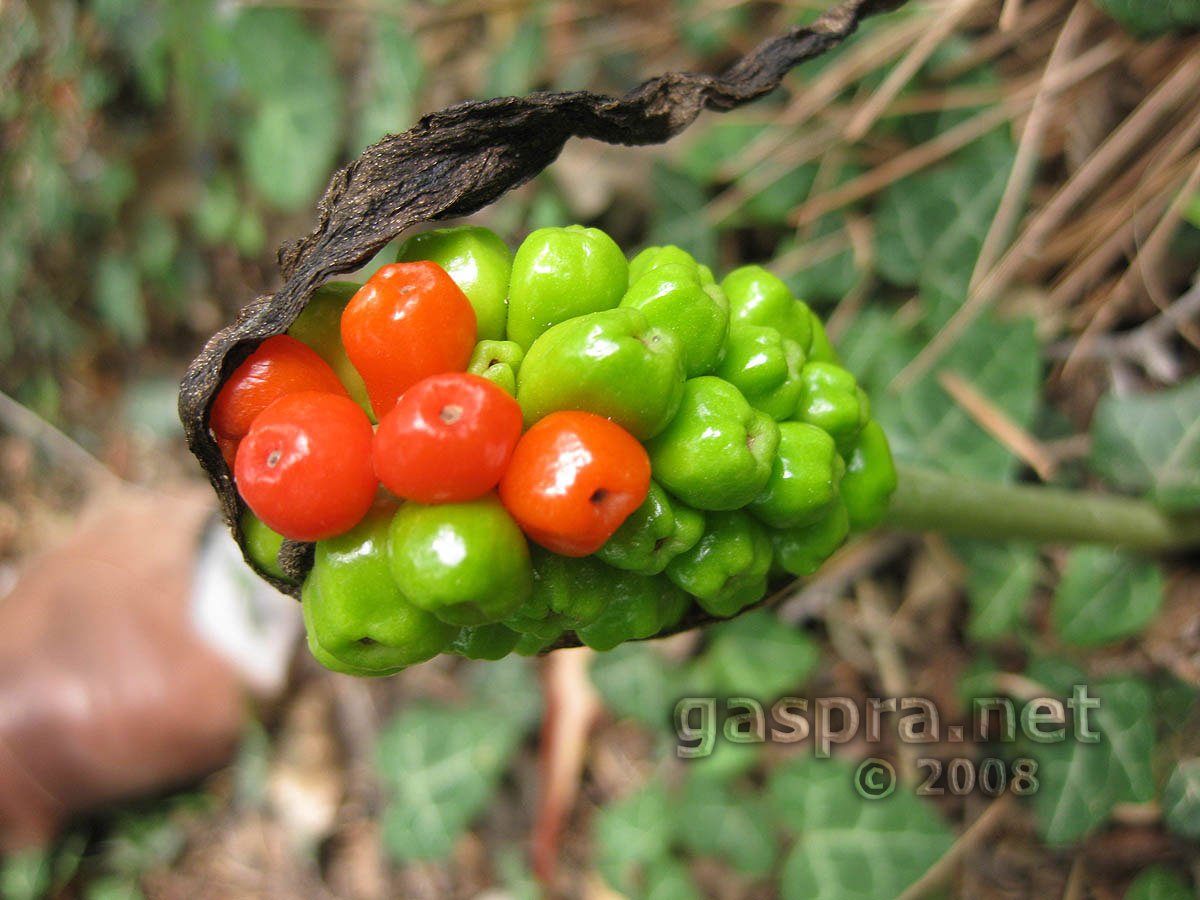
1152 18
144 136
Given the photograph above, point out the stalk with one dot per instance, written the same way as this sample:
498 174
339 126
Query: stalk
926 500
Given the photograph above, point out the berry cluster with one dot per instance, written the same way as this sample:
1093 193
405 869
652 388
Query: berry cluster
566 441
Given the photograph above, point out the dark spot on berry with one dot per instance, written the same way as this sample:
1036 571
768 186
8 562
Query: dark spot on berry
451 413
273 459
366 641
599 495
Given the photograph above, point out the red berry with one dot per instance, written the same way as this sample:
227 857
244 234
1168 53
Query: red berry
447 440
305 467
409 321
573 479
281 365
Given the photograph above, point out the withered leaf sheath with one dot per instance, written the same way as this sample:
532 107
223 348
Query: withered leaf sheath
453 163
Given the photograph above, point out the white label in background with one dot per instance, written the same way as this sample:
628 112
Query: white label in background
247 621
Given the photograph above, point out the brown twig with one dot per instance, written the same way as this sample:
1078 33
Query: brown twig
902 73
941 872
1008 212
997 423
1149 255
1179 87
951 140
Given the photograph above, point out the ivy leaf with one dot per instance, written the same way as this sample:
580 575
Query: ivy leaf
394 82
711 820
1081 782
288 149
756 654
1000 581
511 683
519 59
1105 595
931 225
848 848
927 427
722 142
670 880
728 760
828 279
1181 798
678 213
874 348
1152 443
1158 883
442 764
633 837
119 298
1151 18
25 874
291 142
637 683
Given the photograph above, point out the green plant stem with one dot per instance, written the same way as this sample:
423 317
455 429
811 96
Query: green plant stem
926 500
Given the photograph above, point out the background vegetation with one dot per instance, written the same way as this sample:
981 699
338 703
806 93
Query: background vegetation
995 204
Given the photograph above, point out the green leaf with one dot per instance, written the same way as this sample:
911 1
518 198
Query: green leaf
215 216
1000 581
727 760
831 277
758 655
1192 210
514 876
875 347
678 213
111 888
926 426
1158 883
1152 443
25 875
633 837
930 226
510 683
670 880
252 767
291 142
21 37
288 149
441 765
1181 798
719 144
709 147
712 820
393 83
119 298
848 848
1081 782
139 31
1105 595
249 232
1151 18
517 62
146 840
636 682
706 30
157 244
